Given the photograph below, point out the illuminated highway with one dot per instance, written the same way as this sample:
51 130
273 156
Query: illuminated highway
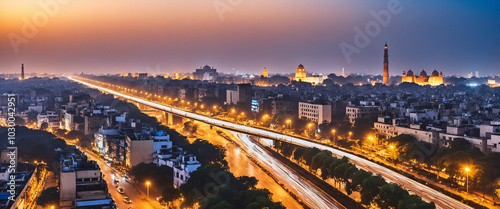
241 165
427 194
307 191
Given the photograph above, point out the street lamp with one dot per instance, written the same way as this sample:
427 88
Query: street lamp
392 151
371 147
333 132
147 183
467 182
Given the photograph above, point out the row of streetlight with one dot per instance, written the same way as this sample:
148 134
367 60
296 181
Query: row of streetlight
233 111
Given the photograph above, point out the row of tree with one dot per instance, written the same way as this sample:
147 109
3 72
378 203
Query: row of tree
373 189
458 161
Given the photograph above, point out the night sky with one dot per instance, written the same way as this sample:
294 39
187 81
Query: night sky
164 36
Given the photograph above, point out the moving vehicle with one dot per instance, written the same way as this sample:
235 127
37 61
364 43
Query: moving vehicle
127 200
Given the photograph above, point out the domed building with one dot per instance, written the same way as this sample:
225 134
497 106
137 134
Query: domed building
422 78
435 73
408 77
300 73
301 76
205 73
435 79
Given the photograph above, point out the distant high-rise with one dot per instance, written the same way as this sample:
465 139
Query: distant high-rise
386 66
264 73
343 72
22 71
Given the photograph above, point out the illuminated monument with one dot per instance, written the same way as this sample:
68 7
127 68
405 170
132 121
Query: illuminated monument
264 73
435 79
301 75
386 66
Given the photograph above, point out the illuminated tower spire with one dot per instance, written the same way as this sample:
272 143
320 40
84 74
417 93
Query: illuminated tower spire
264 73
22 71
386 66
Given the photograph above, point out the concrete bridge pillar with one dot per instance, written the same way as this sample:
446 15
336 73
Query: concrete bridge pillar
172 119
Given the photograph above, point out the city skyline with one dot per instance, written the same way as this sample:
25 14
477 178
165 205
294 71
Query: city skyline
229 104
246 36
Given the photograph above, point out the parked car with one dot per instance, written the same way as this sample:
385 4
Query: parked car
120 190
127 200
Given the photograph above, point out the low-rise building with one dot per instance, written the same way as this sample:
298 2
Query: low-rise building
355 112
318 112
180 161
81 184
140 148
423 115
242 94
50 118
185 165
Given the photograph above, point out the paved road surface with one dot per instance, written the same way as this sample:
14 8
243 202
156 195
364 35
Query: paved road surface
138 201
241 165
307 191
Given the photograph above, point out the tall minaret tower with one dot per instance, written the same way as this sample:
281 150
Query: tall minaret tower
386 66
22 71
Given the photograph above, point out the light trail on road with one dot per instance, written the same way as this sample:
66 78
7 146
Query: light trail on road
426 193
241 165
308 192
